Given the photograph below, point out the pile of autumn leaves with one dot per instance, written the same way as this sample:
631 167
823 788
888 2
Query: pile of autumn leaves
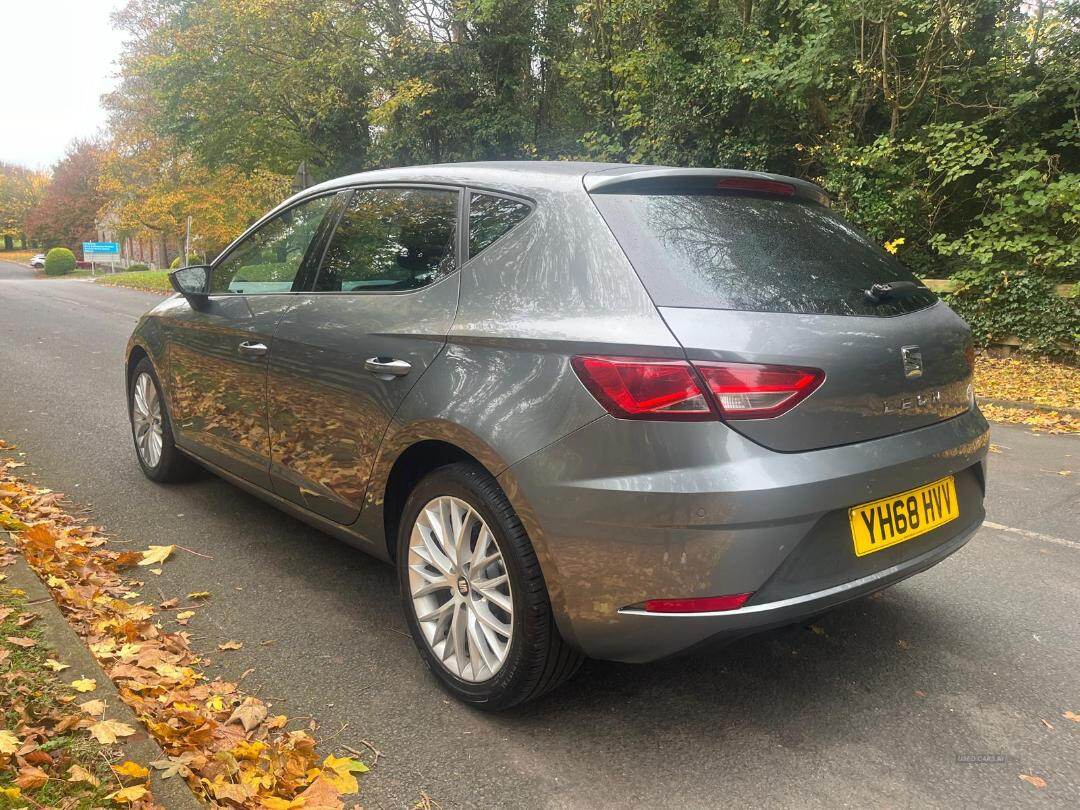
227 746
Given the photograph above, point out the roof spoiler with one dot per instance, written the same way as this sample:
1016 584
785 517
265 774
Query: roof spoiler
631 179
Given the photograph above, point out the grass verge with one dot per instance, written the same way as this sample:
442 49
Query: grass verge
148 280
45 759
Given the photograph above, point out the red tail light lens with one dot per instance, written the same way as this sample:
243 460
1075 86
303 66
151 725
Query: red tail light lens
708 604
637 388
633 388
759 186
748 391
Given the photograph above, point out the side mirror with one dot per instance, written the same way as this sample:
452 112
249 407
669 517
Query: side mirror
192 282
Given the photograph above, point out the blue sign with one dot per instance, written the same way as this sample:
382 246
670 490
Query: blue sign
107 248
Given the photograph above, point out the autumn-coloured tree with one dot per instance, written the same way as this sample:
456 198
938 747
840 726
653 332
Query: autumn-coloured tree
21 190
69 207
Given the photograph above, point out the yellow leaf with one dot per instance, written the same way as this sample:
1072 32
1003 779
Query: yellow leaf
128 794
94 707
55 665
9 743
274 803
1072 716
132 770
338 771
216 703
84 685
230 645
199 595
894 245
184 615
12 793
106 732
54 581
155 555
77 773
1035 781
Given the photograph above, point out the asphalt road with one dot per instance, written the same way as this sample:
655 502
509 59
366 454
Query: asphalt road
871 706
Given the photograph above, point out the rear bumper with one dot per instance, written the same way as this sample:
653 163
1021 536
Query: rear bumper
621 512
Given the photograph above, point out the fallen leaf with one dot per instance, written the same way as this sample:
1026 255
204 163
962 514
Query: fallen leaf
1047 723
55 665
21 641
128 795
5 612
132 770
274 803
920 693
321 795
12 793
338 771
903 645
817 630
230 645
77 773
184 615
31 777
107 732
1072 716
95 708
199 595
9 743
155 555
84 685
248 714
1037 781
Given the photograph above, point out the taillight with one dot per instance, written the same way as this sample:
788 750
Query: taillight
633 388
639 388
707 604
748 391
760 186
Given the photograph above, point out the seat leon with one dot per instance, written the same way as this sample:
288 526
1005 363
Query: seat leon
585 409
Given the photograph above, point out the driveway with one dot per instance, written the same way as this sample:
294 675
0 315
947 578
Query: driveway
874 704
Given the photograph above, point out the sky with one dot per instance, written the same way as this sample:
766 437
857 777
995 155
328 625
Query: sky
51 99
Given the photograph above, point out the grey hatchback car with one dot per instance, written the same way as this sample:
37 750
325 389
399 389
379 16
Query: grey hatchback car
585 409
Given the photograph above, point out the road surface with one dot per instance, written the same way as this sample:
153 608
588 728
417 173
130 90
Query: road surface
876 704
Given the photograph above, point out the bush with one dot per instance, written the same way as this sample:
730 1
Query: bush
59 262
1018 305
176 263
137 268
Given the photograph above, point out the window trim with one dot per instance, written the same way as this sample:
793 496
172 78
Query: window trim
469 191
301 272
404 184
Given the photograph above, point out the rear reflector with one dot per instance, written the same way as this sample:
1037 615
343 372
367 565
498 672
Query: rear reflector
759 186
747 391
632 388
639 388
708 604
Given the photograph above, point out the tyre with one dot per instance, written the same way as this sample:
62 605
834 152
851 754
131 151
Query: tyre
474 597
151 429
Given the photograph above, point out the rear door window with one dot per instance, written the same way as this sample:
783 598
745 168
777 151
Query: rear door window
753 253
392 240
490 217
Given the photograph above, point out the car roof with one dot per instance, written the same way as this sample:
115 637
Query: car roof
524 176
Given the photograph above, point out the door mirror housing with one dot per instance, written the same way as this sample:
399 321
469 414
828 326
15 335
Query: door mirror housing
192 282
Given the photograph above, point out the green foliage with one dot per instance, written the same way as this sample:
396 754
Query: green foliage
177 262
1024 306
137 268
59 262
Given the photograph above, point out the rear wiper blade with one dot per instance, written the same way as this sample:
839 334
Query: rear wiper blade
893 289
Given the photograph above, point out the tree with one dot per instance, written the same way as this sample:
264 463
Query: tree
69 207
20 191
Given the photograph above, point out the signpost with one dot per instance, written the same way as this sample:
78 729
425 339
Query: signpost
93 250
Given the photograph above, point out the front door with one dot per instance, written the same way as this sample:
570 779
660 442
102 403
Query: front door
218 353
349 350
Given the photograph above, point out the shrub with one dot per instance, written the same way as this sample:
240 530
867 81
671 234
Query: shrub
176 263
1018 305
59 262
137 268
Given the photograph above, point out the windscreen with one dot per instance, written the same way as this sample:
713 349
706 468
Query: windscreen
753 253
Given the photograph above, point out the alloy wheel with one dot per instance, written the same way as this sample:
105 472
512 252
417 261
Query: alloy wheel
460 589
146 419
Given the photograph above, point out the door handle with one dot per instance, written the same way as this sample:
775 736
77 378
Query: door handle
249 349
387 367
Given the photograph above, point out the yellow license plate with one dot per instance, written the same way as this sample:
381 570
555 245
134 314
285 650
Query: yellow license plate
880 524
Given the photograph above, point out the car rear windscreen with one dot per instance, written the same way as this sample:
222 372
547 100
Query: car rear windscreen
717 250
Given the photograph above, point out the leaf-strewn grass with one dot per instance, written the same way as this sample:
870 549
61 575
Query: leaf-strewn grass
150 280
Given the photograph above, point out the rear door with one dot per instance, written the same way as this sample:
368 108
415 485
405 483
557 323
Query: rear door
351 347
217 354
757 272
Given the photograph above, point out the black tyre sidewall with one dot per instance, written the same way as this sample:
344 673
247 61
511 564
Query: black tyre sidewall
512 682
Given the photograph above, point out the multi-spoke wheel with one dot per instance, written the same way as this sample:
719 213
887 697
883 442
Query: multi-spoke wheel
474 594
460 589
151 429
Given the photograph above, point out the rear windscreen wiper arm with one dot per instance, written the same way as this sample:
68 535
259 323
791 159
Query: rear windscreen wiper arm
894 289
